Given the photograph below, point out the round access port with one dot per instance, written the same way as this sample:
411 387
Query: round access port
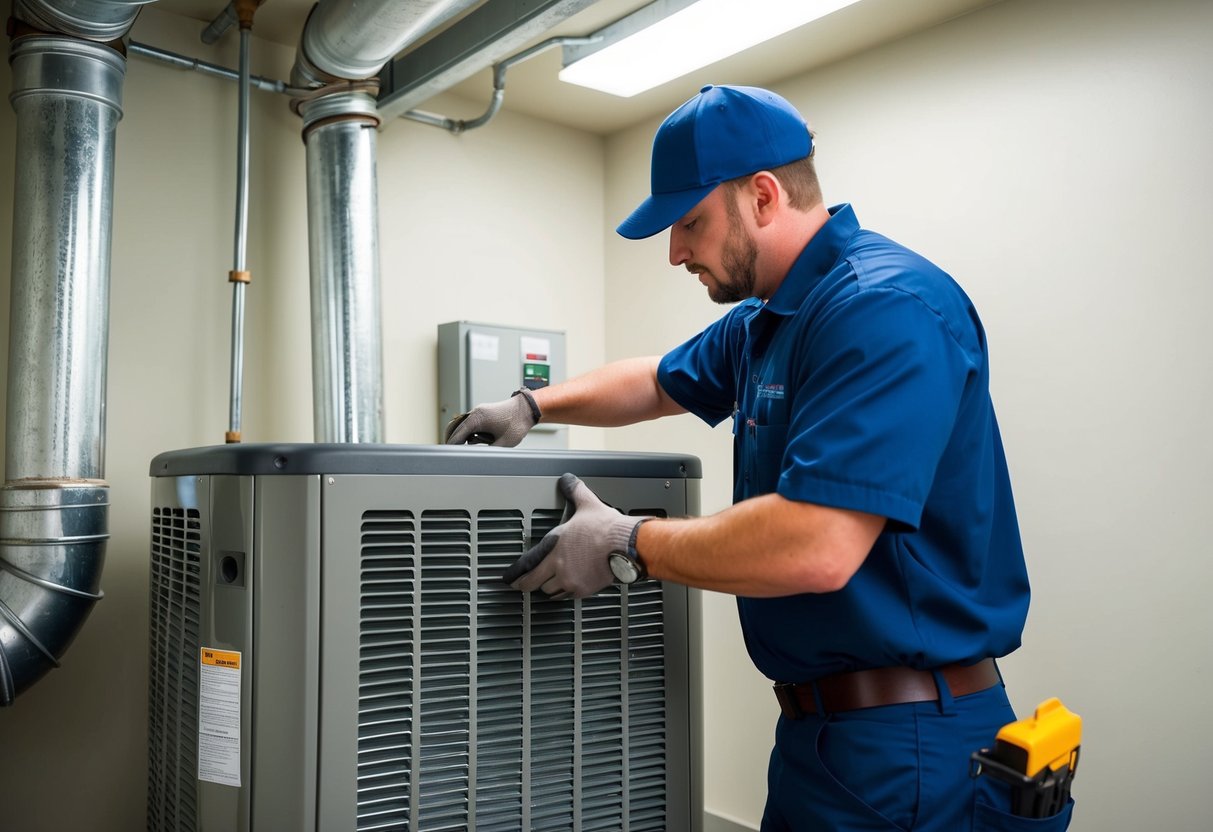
229 569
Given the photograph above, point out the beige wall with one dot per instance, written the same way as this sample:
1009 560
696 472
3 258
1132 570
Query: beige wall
504 226
1054 157
1050 154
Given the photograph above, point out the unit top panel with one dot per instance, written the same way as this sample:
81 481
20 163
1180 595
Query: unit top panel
468 460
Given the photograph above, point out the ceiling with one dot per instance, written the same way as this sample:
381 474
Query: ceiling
533 89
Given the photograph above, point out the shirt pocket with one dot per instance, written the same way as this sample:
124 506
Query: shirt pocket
766 445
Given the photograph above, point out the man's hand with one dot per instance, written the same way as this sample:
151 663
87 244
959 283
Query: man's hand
572 559
499 423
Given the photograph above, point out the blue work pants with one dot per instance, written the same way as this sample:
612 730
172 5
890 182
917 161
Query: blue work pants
897 767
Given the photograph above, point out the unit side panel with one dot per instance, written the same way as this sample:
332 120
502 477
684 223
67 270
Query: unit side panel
227 625
287 630
201 599
452 374
451 701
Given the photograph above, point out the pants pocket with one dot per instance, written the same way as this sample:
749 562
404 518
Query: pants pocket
874 766
988 819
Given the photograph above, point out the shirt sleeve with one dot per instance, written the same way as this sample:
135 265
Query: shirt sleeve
701 374
874 405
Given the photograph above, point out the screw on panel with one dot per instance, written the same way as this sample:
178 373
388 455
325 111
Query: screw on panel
667 483
332 481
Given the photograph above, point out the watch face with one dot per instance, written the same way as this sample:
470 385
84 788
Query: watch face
623 568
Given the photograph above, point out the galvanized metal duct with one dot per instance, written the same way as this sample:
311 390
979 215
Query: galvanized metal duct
343 42
343 247
98 20
67 94
353 39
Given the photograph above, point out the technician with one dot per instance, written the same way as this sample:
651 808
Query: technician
872 545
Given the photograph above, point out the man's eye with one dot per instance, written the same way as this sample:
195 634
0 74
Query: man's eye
690 224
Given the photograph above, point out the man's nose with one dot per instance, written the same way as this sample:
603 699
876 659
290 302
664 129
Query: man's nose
679 252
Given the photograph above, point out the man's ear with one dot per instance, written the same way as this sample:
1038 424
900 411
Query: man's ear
768 197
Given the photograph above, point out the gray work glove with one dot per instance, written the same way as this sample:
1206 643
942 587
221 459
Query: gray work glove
572 559
499 423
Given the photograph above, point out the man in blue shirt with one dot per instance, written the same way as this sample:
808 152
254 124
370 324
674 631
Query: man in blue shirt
872 545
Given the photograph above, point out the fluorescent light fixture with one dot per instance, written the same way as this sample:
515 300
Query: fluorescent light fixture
669 38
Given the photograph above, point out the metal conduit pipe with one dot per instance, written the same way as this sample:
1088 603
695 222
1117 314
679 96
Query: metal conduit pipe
239 275
452 125
143 50
339 129
458 126
353 39
67 94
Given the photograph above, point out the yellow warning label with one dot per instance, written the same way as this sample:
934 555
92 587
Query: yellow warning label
220 658
219 705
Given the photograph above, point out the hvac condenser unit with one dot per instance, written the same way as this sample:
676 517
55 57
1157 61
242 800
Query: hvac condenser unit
332 647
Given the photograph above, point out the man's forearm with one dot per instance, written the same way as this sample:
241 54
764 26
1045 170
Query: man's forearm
620 393
763 547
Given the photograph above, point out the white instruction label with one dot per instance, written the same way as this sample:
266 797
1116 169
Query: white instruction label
485 347
219 717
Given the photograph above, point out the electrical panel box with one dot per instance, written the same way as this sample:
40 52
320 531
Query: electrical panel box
479 363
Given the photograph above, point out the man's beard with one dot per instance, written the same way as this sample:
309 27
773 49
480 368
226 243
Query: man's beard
736 262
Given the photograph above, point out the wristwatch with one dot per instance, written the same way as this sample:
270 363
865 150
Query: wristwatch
626 565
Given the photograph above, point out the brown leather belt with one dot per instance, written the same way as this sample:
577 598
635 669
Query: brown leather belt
883 686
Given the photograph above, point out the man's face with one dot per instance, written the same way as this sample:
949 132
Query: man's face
712 242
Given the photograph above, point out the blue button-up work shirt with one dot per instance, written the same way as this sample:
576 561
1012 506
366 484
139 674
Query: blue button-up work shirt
863 384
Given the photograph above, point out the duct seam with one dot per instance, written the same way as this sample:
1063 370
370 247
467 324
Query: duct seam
16 623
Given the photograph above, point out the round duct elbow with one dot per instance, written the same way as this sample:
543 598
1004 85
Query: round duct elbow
53 536
352 39
100 20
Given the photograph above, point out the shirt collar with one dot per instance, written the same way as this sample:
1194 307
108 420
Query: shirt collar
818 258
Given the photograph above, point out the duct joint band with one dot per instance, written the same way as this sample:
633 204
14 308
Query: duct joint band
343 98
58 65
341 119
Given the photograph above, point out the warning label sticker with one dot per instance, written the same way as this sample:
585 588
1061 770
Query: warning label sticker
219 717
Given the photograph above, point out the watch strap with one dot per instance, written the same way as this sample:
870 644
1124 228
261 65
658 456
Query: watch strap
632 553
530 400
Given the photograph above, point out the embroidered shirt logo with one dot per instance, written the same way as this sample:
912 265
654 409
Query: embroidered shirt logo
770 391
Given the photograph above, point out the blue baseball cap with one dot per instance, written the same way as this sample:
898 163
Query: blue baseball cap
721 134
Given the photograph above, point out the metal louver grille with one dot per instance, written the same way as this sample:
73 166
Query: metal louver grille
385 673
646 721
602 712
446 619
173 673
499 674
527 713
553 680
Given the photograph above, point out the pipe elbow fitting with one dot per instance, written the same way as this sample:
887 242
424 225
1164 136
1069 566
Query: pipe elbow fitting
53 536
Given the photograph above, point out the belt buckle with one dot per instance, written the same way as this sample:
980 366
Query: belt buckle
785 694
